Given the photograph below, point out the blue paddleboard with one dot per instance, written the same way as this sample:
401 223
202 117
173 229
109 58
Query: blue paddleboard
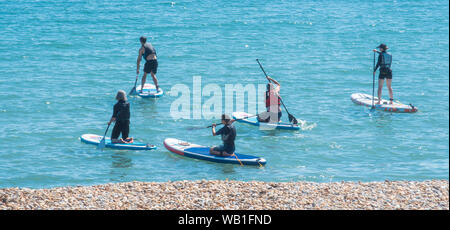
149 91
202 153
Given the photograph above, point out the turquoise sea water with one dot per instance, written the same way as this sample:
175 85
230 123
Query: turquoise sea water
62 62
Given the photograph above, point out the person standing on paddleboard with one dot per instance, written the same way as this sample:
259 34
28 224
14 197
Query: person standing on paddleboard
273 102
228 133
384 62
151 64
121 117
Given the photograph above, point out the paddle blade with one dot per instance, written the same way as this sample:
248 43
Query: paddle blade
101 145
133 90
292 119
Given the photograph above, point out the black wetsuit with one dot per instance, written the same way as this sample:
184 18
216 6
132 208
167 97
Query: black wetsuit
228 133
152 65
122 114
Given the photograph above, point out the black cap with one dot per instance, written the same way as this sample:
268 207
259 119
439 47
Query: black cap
383 46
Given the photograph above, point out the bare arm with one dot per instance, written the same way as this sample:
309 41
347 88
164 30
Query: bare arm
273 80
213 129
277 89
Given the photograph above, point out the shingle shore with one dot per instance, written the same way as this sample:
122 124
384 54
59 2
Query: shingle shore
230 195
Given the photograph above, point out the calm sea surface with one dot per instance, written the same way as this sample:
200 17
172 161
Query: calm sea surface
62 62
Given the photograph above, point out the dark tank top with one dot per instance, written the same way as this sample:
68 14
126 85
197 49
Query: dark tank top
148 50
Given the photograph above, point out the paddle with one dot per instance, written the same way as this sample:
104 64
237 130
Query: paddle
134 88
209 126
101 145
194 128
292 119
373 85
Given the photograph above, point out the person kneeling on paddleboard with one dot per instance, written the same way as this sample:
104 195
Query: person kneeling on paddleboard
151 64
384 62
273 102
121 117
228 133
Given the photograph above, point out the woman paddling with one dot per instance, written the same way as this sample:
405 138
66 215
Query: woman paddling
121 117
273 102
228 133
384 62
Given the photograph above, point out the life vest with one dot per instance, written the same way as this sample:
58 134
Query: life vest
268 99
386 60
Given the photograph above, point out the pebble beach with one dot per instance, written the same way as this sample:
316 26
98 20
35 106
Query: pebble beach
233 195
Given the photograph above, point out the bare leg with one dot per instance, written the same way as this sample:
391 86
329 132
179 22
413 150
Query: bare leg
213 152
380 89
155 80
389 86
144 78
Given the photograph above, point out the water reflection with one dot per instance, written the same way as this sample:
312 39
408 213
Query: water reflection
120 166
120 160
381 119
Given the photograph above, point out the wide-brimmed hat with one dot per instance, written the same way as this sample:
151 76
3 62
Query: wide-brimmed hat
383 46
226 117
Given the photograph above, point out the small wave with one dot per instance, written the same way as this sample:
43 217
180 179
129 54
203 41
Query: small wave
334 145
305 126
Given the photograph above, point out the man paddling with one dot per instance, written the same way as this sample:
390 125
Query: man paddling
228 133
384 62
151 64
273 102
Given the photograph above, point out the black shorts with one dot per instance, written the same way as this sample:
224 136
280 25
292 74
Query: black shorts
121 127
224 149
385 74
151 66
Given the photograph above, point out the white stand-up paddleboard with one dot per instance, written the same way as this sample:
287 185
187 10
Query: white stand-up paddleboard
149 90
252 120
366 100
95 140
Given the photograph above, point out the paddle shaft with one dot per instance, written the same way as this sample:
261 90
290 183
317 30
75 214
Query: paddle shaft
373 82
106 131
101 145
281 100
235 120
134 88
